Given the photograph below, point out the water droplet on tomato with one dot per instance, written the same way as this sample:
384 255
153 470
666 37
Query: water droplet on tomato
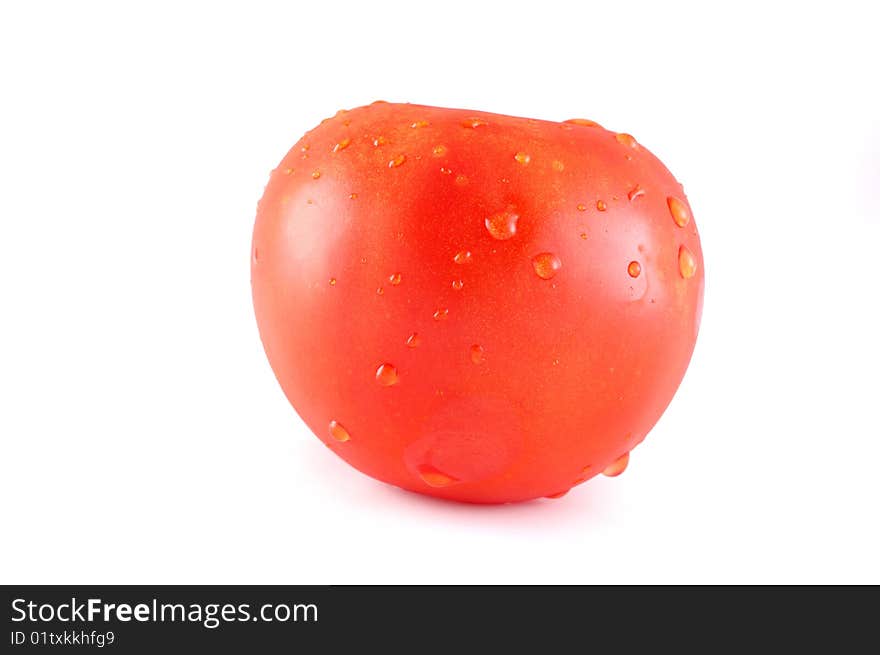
463 257
617 467
680 213
583 121
256 256
558 494
502 226
413 340
441 314
379 141
581 207
461 180
397 161
473 123
546 265
439 151
386 375
687 265
601 206
583 235
434 478
477 354
352 196
634 269
457 284
332 281
316 174
338 432
380 291
395 279
635 192
342 145
626 139
445 171
522 158
558 166
418 124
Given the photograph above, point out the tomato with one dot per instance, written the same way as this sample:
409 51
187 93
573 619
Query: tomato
474 306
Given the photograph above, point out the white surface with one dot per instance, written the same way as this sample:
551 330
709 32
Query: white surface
144 438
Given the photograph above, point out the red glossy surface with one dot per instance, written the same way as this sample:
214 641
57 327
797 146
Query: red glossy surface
482 301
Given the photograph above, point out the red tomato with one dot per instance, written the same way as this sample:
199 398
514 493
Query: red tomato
474 306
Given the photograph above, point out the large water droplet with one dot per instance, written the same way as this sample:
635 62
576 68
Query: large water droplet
477 354
316 174
434 478
635 192
687 265
332 281
627 139
634 269
680 213
397 161
338 432
601 205
386 375
342 145
546 265
617 467
502 226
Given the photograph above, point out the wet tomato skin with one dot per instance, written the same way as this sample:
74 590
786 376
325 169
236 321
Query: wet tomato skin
474 306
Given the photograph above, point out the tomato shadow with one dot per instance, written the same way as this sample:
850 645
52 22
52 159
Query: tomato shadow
586 504
582 504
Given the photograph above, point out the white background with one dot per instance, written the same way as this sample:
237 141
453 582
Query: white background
144 438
